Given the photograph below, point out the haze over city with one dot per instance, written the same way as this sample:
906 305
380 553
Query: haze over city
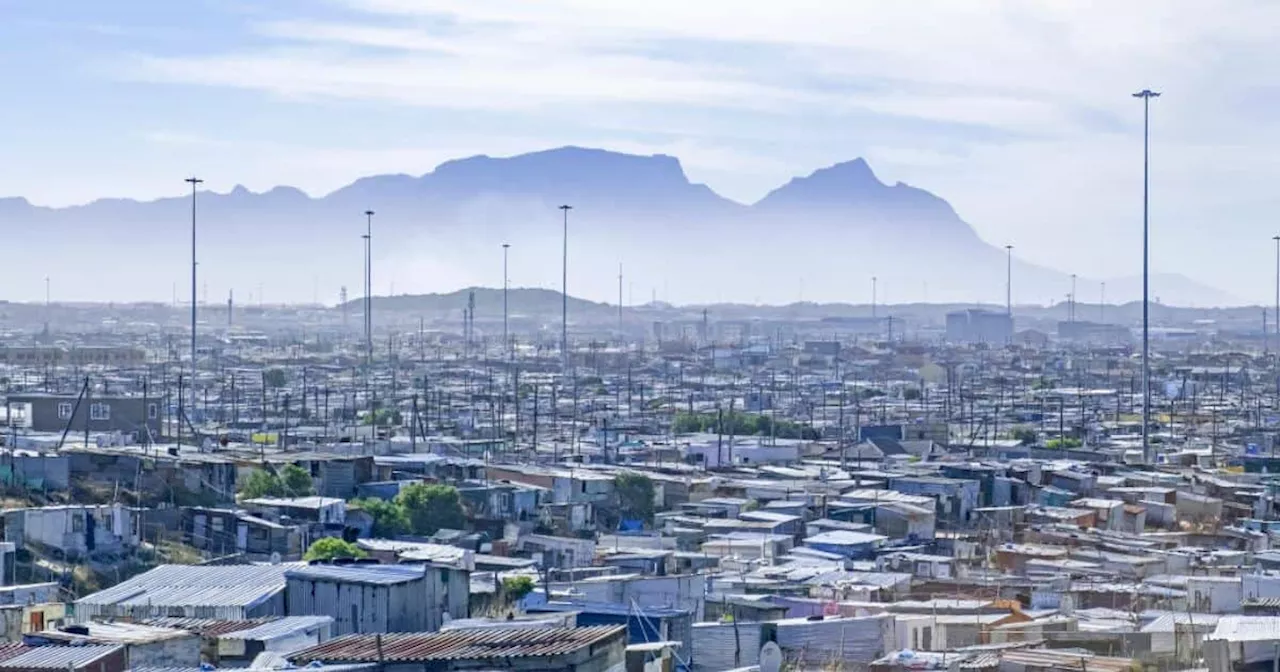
1018 115
639 336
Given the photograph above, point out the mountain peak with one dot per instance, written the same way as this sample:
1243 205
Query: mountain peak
571 171
843 184
857 171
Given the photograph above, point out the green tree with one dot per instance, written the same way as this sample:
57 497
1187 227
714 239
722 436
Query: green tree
275 378
296 481
387 417
388 518
635 496
431 507
333 547
517 587
262 483
1063 443
1024 436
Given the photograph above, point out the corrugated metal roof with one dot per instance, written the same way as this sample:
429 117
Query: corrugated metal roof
59 657
981 661
382 575
280 627
117 633
205 627
11 649
609 608
1247 628
484 644
1064 660
187 585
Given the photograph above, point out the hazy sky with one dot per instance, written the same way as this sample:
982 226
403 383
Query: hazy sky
1019 113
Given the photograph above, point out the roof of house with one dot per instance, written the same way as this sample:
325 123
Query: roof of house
59 657
378 575
484 644
195 585
844 538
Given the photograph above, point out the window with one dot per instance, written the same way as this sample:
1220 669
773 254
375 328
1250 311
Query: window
99 411
64 410
153 411
217 524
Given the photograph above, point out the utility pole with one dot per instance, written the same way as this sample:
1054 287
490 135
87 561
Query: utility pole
1146 95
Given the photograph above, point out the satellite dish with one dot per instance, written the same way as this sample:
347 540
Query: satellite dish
275 557
770 657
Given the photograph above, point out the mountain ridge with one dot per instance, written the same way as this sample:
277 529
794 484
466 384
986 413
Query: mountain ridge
830 230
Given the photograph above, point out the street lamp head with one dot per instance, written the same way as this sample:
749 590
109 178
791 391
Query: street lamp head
506 245
566 207
193 181
1147 93
368 213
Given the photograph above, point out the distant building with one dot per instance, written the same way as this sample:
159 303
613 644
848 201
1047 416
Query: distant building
76 529
979 326
372 598
128 414
88 355
1094 333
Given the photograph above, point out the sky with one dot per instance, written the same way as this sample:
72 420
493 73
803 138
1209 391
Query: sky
1018 113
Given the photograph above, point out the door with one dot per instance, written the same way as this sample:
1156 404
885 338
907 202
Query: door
242 537
197 532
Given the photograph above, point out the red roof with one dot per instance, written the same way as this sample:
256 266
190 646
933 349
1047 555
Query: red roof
485 643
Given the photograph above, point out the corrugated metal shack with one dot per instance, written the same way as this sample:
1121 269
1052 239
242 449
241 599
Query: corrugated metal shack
368 598
585 649
231 592
91 658
644 624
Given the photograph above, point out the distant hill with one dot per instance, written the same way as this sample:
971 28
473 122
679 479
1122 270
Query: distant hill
819 237
521 302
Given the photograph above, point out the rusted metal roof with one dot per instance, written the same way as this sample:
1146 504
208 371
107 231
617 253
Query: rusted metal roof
205 627
1066 661
10 649
459 645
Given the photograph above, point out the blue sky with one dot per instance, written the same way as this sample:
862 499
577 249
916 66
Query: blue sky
1017 113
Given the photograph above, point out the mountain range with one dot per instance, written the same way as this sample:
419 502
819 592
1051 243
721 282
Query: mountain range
821 237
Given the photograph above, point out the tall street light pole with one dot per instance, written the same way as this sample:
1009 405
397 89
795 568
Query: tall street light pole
873 297
368 287
564 293
1008 287
1276 238
194 182
1102 304
506 339
1071 307
1146 95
